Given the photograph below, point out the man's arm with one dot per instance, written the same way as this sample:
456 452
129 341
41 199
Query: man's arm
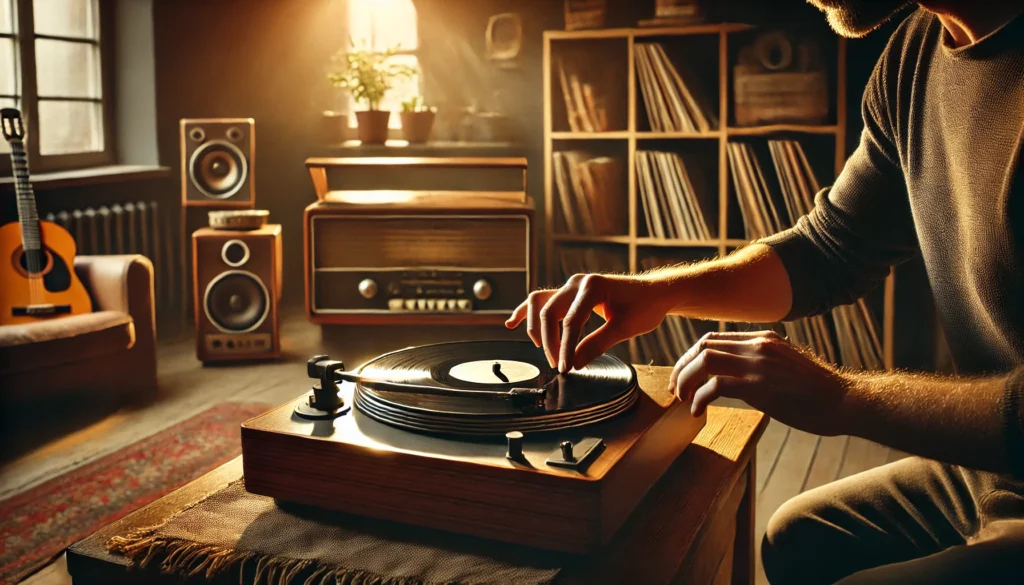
749 285
975 422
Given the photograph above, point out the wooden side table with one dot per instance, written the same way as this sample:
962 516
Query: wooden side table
696 525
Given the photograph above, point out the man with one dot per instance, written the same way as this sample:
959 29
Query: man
937 172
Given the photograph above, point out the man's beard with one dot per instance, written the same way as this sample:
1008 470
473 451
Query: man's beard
856 18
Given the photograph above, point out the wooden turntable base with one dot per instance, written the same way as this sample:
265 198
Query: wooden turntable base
357 465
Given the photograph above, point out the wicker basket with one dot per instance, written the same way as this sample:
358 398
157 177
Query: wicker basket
677 9
584 14
777 80
774 98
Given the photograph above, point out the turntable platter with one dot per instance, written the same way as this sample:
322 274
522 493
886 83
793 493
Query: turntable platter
602 390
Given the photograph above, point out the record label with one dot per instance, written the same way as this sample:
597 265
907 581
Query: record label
494 372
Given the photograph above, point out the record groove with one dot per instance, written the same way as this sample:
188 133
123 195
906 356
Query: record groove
604 389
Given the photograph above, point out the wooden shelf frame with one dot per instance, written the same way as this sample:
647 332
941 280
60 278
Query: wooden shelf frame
723 134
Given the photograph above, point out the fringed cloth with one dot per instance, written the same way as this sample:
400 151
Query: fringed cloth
252 539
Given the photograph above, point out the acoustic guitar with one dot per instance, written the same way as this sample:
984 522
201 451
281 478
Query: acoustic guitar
37 276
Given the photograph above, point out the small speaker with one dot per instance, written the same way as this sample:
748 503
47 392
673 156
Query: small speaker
217 157
237 287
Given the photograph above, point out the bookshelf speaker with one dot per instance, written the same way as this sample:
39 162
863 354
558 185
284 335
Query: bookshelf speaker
237 286
217 162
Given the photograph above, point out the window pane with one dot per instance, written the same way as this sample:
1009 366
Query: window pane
8 81
67 69
6 103
67 18
67 127
382 24
6 16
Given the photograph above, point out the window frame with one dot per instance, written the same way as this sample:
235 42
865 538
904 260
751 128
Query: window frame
25 77
350 107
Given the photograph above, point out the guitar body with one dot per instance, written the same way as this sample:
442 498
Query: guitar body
25 297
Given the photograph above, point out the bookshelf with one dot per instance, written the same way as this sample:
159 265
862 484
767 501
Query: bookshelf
628 132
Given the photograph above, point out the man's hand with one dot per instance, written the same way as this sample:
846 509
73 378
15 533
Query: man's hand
767 372
629 305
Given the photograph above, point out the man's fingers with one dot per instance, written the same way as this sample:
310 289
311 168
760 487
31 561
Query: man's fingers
716 387
732 342
551 322
534 303
575 318
595 344
518 316
709 363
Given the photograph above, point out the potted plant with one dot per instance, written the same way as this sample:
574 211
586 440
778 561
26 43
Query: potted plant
417 120
368 75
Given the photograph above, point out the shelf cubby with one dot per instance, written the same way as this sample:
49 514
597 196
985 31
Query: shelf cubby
707 52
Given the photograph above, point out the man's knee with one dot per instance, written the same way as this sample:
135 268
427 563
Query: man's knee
790 535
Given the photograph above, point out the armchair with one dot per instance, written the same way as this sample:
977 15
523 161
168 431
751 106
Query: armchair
112 349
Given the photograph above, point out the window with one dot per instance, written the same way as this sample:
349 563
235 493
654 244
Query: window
380 25
53 66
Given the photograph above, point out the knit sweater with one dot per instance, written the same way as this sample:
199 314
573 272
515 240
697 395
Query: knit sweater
937 172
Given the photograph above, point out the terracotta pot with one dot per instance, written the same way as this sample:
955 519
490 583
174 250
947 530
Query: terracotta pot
335 127
373 126
416 126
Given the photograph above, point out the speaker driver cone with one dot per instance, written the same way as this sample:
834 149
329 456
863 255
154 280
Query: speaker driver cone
218 169
236 301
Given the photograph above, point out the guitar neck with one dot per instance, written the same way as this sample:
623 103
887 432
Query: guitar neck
28 217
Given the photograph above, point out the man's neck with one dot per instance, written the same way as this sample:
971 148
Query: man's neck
967 22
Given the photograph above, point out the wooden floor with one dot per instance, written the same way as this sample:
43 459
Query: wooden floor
789 461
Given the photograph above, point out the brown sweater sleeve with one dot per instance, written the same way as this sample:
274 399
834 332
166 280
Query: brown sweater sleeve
1013 419
862 225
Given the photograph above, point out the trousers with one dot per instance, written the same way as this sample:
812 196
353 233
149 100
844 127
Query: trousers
913 521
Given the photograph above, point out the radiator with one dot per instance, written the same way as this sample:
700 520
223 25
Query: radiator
126 228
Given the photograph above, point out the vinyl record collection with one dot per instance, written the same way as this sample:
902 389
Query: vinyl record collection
794 184
579 260
673 102
671 194
590 192
584 105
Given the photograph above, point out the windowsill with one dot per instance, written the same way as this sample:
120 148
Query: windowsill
404 147
91 176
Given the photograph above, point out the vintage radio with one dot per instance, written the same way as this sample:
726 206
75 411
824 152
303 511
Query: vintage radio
376 256
237 287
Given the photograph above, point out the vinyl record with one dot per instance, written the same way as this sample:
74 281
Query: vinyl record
605 388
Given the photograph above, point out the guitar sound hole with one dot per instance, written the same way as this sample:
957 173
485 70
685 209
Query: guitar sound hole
56 273
33 262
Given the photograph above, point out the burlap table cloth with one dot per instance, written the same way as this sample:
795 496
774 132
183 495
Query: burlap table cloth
235 533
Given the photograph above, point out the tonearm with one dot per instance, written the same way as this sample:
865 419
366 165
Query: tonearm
325 401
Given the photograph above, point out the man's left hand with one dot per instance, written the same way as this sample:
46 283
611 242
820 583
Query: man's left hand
767 372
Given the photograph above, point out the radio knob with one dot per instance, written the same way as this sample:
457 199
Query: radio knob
368 288
482 289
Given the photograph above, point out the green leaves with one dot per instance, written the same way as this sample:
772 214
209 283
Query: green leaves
367 75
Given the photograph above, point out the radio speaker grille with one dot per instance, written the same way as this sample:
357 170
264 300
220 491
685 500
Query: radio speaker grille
379 241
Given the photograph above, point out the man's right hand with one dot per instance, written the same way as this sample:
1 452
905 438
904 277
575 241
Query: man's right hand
630 306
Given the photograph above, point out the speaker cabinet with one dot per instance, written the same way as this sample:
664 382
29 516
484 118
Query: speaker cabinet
237 287
217 162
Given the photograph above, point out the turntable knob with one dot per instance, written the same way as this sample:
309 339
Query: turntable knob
567 454
515 446
482 289
368 288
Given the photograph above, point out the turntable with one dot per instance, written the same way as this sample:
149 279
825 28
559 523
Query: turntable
479 438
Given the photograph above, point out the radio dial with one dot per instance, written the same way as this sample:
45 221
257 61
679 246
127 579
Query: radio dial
482 289
368 288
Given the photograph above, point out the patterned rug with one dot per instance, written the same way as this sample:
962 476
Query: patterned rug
37 525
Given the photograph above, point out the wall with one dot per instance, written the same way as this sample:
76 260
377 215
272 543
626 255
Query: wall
266 59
